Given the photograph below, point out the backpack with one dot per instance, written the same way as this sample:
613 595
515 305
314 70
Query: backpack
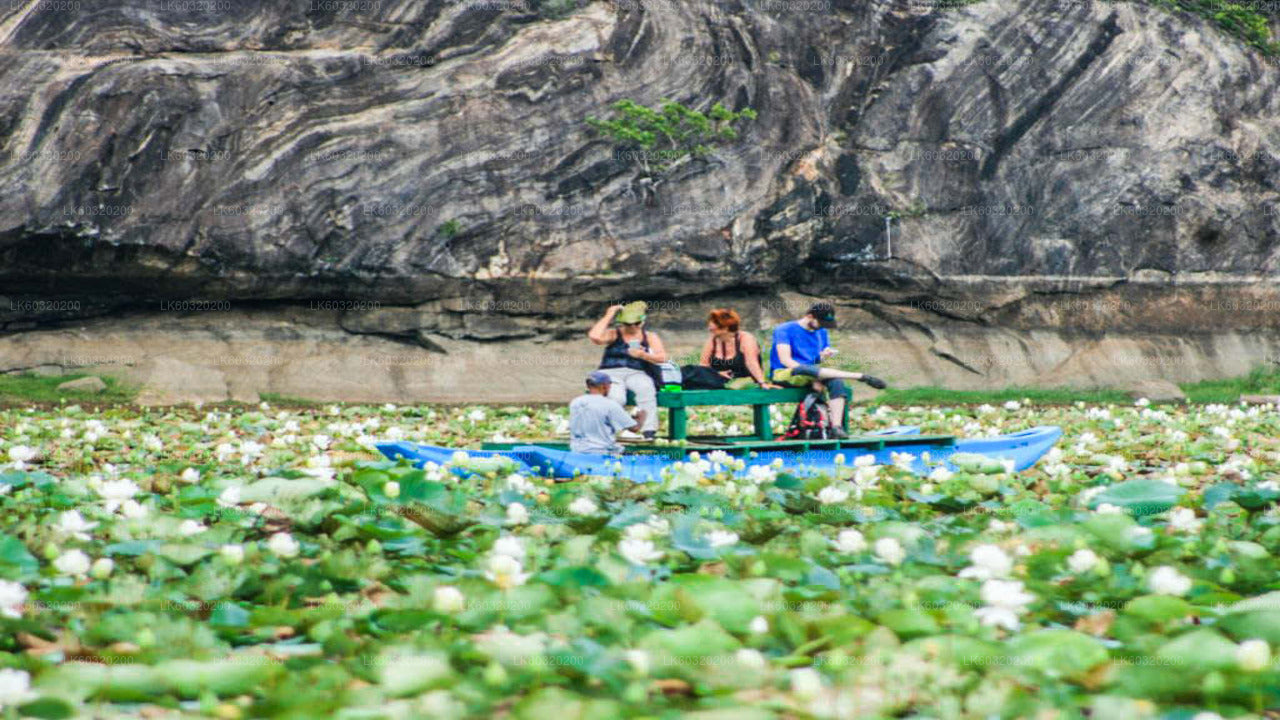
701 377
812 419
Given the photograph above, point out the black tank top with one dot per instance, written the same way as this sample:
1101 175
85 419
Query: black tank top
615 354
736 364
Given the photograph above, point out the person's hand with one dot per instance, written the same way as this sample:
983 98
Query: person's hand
727 375
770 386
613 310
826 353
874 382
636 352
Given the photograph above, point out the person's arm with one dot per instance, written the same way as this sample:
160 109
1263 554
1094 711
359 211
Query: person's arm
657 353
751 349
705 360
784 355
601 333
620 420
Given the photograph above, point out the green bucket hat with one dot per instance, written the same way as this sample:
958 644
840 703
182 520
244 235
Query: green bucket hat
632 313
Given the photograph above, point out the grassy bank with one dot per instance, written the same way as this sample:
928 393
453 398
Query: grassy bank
1262 381
27 387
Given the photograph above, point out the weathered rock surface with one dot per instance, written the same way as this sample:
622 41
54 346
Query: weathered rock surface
89 384
1156 391
273 159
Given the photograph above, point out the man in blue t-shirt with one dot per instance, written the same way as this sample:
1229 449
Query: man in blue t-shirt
800 345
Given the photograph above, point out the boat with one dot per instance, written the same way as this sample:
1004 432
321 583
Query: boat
904 446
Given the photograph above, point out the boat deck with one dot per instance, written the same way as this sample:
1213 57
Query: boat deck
749 444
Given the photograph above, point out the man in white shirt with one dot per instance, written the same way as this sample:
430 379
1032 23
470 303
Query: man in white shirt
595 420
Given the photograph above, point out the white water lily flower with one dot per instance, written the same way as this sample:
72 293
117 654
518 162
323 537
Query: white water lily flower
940 474
583 505
1082 561
639 551
722 538
15 687
1013 405
190 476
72 524
902 460
639 660
12 597
863 461
1003 601
1109 509
476 415
321 442
890 551
999 526
517 514
133 510
1141 402
20 455
510 546
806 683
750 658
72 562
850 541
115 492
1184 520
989 561
761 474
232 554
190 527
283 545
229 497
520 484
1166 580
759 625
505 571
448 599
391 489
831 495
101 568
1253 655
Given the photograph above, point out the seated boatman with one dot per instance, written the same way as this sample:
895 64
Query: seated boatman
798 347
595 420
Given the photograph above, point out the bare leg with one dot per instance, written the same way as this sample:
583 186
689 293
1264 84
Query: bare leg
837 412
832 373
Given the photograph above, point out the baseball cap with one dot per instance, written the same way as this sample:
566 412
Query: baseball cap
824 314
598 378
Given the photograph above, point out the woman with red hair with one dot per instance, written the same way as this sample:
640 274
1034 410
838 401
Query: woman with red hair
730 351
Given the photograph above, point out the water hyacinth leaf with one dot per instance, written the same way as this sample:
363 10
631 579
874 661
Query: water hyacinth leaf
1056 652
1140 497
1158 608
229 615
679 645
721 599
47 708
1261 624
908 623
16 562
1200 650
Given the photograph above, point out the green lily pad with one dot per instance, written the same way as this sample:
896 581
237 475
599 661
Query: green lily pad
1140 497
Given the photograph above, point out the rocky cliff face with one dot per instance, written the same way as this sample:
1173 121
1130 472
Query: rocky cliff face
431 159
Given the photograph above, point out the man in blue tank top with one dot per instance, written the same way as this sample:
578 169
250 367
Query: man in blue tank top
800 345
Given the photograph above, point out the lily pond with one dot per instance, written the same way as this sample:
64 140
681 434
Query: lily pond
267 562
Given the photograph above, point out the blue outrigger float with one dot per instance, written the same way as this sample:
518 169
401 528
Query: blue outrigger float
646 463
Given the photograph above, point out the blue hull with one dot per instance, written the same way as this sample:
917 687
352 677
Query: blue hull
1023 449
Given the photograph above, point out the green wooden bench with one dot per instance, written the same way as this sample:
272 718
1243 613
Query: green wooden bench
677 403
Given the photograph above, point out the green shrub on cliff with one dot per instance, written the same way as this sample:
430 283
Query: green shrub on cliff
665 136
1242 21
